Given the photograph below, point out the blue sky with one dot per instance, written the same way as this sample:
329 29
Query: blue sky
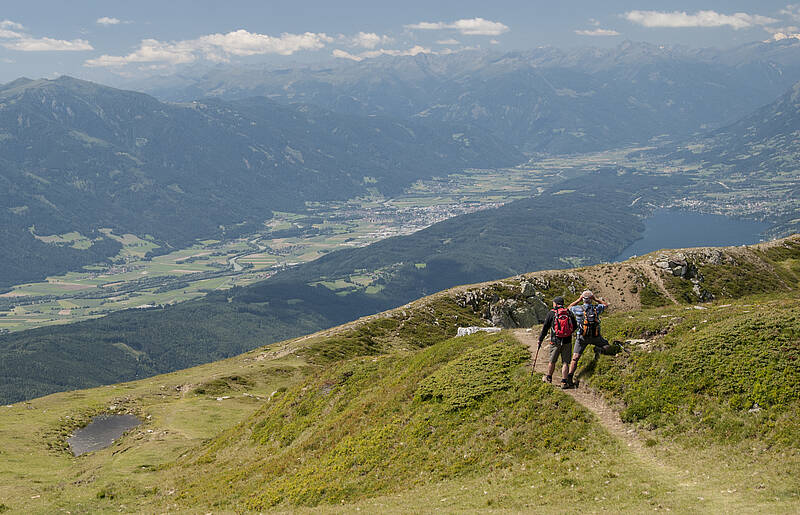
97 39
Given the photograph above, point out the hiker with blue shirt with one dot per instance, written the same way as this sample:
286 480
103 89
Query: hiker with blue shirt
587 309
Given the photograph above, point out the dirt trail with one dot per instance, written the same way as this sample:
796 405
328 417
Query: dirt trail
607 416
689 484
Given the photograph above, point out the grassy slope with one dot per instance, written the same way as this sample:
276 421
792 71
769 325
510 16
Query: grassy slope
391 413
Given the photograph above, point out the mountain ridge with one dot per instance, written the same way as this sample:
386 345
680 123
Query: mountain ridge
542 100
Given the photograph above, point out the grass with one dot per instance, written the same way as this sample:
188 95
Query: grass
378 425
707 369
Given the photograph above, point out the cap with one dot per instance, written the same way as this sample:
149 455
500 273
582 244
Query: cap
587 294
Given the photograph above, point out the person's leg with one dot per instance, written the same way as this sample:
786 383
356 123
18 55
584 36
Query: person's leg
554 353
566 354
602 346
576 355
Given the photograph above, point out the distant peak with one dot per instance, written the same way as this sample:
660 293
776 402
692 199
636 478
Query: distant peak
22 81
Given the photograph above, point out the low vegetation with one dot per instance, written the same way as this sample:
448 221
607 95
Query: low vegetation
727 372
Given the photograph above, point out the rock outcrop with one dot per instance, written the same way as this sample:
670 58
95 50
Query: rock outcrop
509 306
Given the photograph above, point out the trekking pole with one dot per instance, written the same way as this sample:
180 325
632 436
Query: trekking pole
536 357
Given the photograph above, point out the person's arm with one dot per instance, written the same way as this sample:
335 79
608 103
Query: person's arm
600 300
575 302
548 321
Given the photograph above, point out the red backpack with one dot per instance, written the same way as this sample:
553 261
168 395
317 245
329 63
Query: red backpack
562 324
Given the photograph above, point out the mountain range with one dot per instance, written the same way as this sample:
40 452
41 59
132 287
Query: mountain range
764 143
542 100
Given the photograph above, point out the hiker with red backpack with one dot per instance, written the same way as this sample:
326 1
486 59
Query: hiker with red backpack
587 309
561 323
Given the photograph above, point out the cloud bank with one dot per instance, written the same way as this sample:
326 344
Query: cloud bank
22 42
214 47
682 19
48 45
467 27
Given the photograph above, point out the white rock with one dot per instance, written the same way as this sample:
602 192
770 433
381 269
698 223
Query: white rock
465 331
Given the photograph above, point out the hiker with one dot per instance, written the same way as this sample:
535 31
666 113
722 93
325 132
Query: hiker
561 323
587 309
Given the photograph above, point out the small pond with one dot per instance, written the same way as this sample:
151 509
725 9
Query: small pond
675 229
100 433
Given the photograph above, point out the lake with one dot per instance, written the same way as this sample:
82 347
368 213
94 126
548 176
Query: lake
100 433
673 229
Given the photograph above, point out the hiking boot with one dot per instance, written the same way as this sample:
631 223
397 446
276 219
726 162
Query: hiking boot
547 379
567 384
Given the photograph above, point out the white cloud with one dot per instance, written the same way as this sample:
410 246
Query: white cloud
10 34
8 30
215 48
597 32
105 20
450 41
679 19
243 43
8 24
342 54
467 27
415 50
367 40
27 44
494 42
150 50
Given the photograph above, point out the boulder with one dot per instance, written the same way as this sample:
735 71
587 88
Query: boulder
509 313
528 289
500 313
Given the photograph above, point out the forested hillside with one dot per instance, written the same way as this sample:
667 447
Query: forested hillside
77 157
